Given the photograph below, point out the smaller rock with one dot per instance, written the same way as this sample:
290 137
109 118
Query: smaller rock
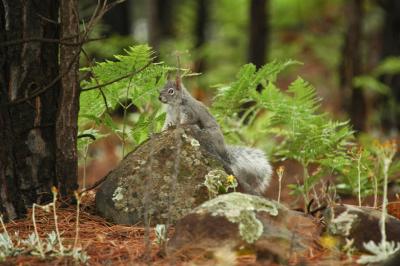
360 224
237 221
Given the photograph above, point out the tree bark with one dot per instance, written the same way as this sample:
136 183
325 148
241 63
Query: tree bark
353 99
258 32
27 129
67 117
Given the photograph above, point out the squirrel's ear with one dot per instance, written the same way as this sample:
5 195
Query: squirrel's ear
178 82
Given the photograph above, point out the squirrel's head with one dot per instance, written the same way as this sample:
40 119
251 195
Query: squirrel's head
171 93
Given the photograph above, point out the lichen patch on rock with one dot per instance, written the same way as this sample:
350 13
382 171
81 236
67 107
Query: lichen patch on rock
241 209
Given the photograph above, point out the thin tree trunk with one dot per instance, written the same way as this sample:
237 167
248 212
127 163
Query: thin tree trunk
119 19
258 40
391 47
27 129
259 32
161 21
200 30
353 99
67 118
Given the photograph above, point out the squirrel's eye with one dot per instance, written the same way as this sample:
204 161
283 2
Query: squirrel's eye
171 91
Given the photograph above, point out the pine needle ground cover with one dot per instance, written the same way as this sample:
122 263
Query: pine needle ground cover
110 244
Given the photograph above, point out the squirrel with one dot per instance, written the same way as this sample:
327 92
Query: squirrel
250 166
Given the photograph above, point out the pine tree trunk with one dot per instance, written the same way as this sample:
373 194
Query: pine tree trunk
200 31
353 99
258 32
391 47
161 21
27 128
258 40
67 118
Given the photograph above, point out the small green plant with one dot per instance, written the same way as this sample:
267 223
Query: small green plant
357 174
7 247
218 182
384 249
85 139
362 175
51 246
161 234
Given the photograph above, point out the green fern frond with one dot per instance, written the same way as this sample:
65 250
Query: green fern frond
132 79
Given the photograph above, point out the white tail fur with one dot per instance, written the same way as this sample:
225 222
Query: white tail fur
251 166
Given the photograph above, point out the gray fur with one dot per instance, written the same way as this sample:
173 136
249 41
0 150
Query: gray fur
250 166
192 112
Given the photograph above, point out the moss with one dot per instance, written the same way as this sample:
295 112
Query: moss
241 209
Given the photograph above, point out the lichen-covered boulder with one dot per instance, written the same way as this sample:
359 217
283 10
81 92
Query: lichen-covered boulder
359 225
163 178
238 221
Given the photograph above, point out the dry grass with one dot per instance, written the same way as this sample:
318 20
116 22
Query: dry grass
105 243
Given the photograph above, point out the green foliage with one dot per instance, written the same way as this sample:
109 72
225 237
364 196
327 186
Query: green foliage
371 82
129 80
140 87
375 83
108 47
230 99
363 165
288 13
308 135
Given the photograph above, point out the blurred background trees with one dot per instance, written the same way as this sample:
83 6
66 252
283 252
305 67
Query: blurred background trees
341 43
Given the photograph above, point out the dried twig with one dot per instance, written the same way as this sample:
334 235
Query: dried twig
118 79
97 81
48 40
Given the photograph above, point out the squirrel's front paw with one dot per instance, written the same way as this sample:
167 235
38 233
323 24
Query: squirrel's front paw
169 126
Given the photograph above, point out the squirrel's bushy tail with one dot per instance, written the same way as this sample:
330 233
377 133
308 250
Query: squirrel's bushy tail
251 168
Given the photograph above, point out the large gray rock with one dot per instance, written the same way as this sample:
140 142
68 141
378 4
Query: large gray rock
149 180
237 221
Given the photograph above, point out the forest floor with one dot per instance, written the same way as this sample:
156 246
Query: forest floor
110 244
